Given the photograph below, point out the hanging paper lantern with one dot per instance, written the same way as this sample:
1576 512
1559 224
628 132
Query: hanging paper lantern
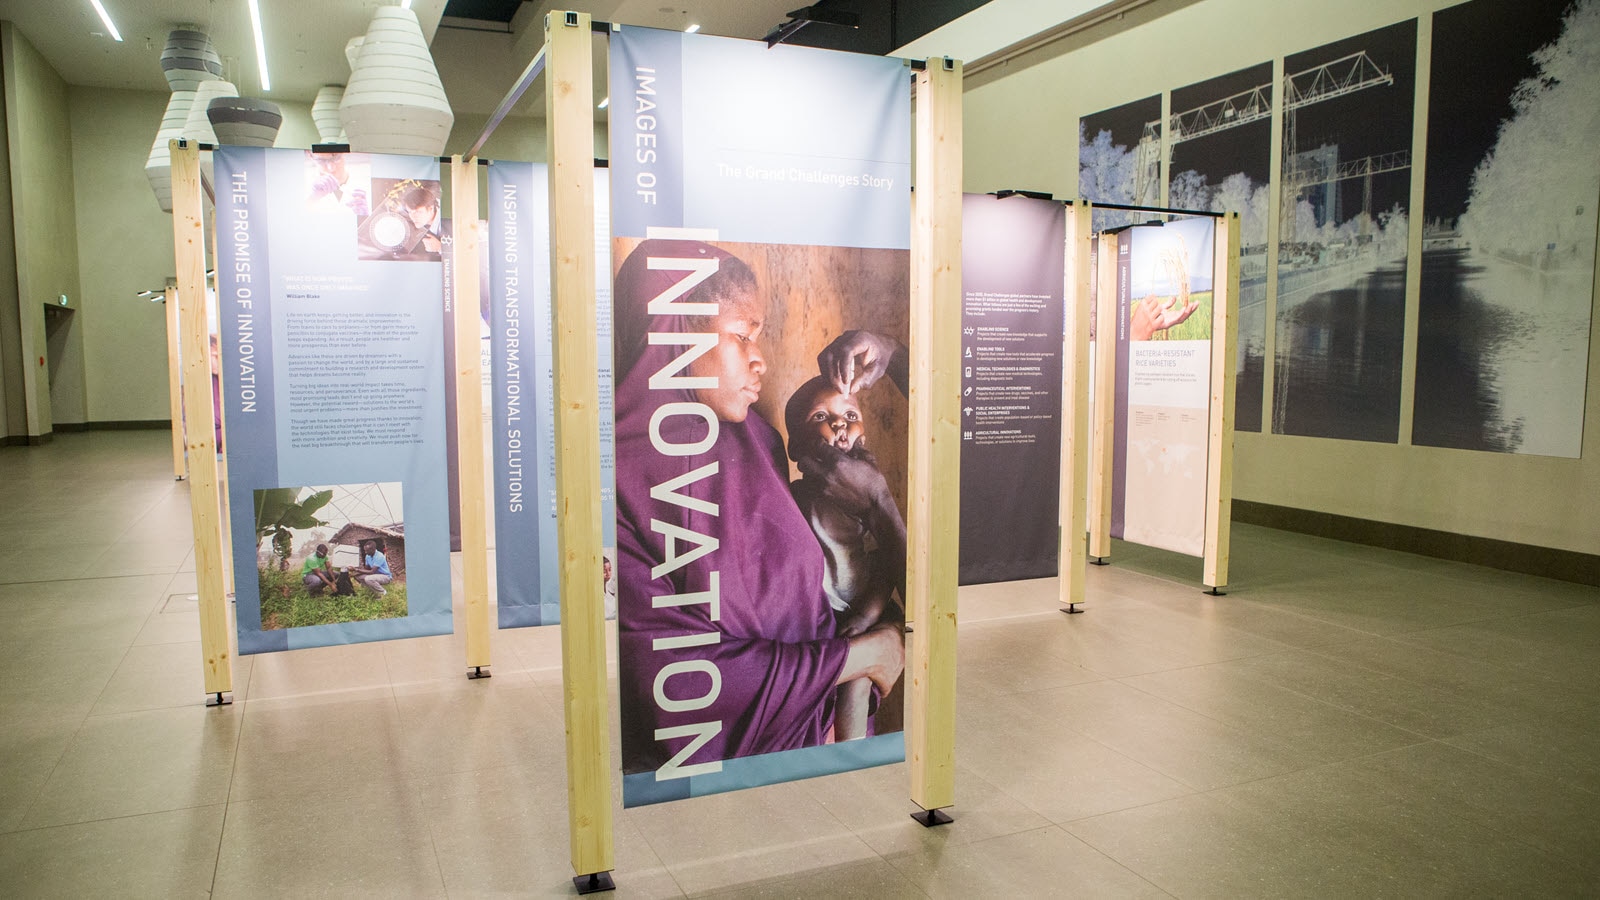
245 121
394 102
352 50
189 59
325 113
158 167
197 127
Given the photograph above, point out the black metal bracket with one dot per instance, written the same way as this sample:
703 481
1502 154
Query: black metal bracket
1100 561
594 883
478 672
1072 609
220 698
1215 592
932 818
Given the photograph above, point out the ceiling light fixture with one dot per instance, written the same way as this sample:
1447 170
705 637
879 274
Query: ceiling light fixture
106 18
405 4
604 102
261 45
691 29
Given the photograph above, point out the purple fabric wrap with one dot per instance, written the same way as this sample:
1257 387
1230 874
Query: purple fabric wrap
777 653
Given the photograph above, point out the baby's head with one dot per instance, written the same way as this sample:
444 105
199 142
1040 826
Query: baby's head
818 414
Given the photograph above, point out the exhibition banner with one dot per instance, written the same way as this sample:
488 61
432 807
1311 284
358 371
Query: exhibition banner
1163 389
1013 274
761 224
527 581
328 274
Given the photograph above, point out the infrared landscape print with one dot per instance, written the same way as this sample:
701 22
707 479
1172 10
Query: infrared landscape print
1220 140
1508 247
1346 184
1119 158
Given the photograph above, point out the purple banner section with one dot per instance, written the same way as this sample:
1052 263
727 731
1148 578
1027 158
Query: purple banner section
1013 270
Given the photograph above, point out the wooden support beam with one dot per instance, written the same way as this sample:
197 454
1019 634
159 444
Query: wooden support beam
175 382
1219 458
1105 398
1073 552
469 412
933 526
189 247
569 143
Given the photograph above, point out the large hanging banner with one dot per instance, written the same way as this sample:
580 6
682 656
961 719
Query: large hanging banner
761 224
1508 248
528 589
1163 389
328 272
1013 273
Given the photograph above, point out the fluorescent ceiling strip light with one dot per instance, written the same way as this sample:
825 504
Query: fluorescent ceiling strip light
106 18
691 29
261 45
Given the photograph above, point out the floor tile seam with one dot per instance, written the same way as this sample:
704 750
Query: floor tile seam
1063 829
120 816
1307 697
1563 782
1404 679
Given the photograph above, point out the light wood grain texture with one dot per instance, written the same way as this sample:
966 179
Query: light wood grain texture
1219 458
569 101
1105 398
1073 553
188 240
469 410
933 529
175 382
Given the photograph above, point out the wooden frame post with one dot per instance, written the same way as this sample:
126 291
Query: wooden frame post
569 143
175 382
469 413
933 526
205 507
1219 459
1073 552
1105 399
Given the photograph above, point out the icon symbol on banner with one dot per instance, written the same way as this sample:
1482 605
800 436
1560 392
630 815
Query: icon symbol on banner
969 353
968 373
966 435
968 331
967 411
967 392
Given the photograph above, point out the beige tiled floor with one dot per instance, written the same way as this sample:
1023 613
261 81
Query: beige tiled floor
1346 722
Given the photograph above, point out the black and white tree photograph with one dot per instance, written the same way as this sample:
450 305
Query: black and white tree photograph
1508 254
1119 158
1348 109
1219 145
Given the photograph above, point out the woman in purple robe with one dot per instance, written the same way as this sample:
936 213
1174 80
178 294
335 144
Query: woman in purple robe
728 645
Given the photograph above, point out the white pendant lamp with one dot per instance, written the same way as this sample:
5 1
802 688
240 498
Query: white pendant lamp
325 113
245 121
198 125
189 59
394 102
352 50
158 167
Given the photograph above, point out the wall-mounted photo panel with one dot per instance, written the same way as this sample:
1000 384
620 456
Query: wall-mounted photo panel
1219 141
1508 246
1343 229
528 590
761 234
1162 420
1119 158
330 291
1013 271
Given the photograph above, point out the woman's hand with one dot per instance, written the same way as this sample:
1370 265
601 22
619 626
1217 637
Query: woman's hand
854 485
857 359
879 654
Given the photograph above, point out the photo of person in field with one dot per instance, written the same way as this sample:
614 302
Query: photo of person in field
330 554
